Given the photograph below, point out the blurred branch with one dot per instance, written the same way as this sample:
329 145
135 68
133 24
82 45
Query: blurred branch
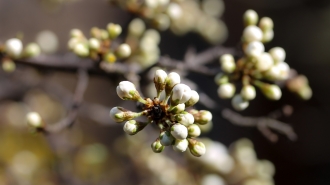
264 124
77 100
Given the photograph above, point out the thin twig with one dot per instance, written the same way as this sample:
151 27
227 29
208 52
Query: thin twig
77 100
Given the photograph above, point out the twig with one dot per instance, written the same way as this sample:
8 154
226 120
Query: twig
77 100
262 123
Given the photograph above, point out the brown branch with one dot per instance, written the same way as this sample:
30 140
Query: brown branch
77 100
264 124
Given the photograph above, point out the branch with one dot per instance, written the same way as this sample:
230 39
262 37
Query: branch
77 100
262 123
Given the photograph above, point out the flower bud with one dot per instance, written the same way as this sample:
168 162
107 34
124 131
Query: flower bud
194 130
201 117
114 30
185 118
81 50
305 93
119 114
178 108
32 50
180 145
254 49
284 69
196 148
172 79
161 21
76 33
174 11
264 62
34 120
239 103
252 33
157 147
94 43
166 139
278 54
221 78
181 94
179 131
226 91
136 27
268 36
272 92
193 99
248 92
266 24
160 80
126 90
132 127
110 57
227 63
123 51
14 47
250 17
8 65
213 179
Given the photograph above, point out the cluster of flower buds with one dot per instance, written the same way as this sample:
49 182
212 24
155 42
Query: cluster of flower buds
13 49
181 16
256 68
100 46
178 127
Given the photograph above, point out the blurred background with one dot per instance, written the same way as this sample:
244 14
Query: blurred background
90 152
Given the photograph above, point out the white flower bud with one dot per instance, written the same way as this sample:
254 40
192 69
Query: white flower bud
272 92
174 11
239 103
172 79
273 73
305 93
266 24
123 51
248 92
196 148
157 147
221 78
180 145
73 42
193 99
32 50
252 33
114 30
178 108
185 118
136 27
202 117
166 138
268 36
264 62
181 94
194 130
212 179
161 21
284 69
179 131
151 3
126 90
34 120
81 50
226 91
227 63
250 17
278 54
76 33
120 114
254 49
132 127
94 43
14 47
160 80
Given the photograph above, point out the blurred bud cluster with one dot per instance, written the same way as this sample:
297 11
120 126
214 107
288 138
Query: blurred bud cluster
181 16
256 68
13 49
178 127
